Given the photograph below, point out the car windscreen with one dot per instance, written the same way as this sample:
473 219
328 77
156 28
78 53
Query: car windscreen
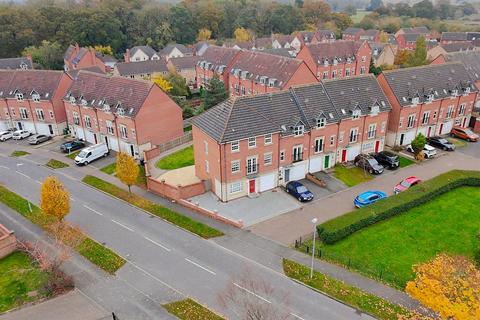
445 141
405 184
301 189
82 154
469 132
372 162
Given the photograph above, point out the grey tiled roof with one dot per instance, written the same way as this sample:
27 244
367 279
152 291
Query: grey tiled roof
438 80
469 59
218 56
74 73
352 30
185 62
458 46
454 36
283 52
43 82
168 49
473 36
412 37
141 67
341 49
15 63
149 51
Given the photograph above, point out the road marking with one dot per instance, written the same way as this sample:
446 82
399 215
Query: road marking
157 244
298 317
3 167
153 277
253 293
122 225
201 267
39 182
93 210
23 174
73 199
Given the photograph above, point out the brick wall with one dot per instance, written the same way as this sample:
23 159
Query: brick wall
8 242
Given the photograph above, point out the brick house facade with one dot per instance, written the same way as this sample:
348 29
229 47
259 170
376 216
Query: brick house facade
76 57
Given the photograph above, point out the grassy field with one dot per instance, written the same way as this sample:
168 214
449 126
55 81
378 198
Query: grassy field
390 248
55 164
351 176
179 159
190 310
352 296
73 154
141 179
405 162
19 153
359 16
21 281
176 218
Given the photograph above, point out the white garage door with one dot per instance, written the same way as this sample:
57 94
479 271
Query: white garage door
267 182
316 164
43 129
297 172
447 127
352 152
89 137
79 133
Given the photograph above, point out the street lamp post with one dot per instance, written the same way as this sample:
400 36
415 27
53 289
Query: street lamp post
314 222
28 202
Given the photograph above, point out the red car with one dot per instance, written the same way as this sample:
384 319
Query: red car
405 184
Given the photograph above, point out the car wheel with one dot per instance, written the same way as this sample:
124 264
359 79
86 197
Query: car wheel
106 154
288 191
371 171
85 163
444 148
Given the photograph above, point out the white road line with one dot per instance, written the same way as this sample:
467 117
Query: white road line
23 174
93 210
298 317
3 167
39 182
201 267
73 199
157 244
253 293
122 225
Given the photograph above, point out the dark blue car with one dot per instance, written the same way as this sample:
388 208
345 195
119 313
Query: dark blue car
299 191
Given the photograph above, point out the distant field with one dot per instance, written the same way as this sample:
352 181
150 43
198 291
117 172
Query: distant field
359 16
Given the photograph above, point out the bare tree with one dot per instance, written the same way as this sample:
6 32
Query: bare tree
250 298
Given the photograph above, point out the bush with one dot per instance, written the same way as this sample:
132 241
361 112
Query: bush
341 227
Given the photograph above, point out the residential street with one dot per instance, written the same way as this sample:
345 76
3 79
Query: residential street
165 262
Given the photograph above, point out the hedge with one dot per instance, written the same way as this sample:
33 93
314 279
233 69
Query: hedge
343 226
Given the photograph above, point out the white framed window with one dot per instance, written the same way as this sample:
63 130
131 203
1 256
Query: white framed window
235 166
282 155
384 125
319 143
449 112
207 166
353 135
321 122
415 100
40 114
252 165
430 97
298 130
88 122
325 75
267 159
267 139
76 118
372 130
205 147
19 96
52 115
461 111
363 70
332 140
411 121
109 125
236 187
340 136
297 153
347 72
36 97
133 132
434 115
364 58
23 113
123 131
252 142
426 117
457 122
454 92
356 113
235 146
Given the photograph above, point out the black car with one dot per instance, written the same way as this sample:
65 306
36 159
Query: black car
387 159
441 143
368 163
299 191
72 145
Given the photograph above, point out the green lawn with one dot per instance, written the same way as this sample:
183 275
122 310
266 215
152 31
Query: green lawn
73 154
190 310
110 169
19 153
390 248
174 217
351 176
141 179
405 162
179 159
21 281
360 15
55 164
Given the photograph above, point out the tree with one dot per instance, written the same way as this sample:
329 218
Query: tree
316 11
402 58
374 69
178 85
127 169
383 37
49 55
424 9
104 49
342 20
419 56
204 34
242 34
182 24
163 83
54 199
350 9
449 285
215 92
418 144
374 5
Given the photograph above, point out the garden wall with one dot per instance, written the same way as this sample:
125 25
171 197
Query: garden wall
8 242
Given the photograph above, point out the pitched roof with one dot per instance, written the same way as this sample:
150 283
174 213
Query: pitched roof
469 59
73 73
261 64
185 62
473 36
149 51
325 34
265 42
218 56
419 82
341 49
352 31
457 46
180 47
240 44
141 67
421 29
117 92
283 52
105 58
412 37
453 36
377 48
16 63
248 116
283 39
43 82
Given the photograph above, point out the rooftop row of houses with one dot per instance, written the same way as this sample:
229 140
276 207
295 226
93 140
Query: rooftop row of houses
252 144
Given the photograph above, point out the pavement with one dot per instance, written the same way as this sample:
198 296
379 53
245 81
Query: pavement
288 227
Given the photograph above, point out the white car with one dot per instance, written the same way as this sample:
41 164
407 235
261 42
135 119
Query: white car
428 151
5 135
20 134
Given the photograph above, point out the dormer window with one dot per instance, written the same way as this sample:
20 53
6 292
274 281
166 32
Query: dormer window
415 100
106 108
19 96
454 92
263 79
375 110
321 122
36 97
356 113
271 82
84 102
467 90
325 63
72 99
349 60
430 98
120 111
335 61
23 66
298 130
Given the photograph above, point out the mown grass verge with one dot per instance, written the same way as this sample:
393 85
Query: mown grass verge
19 153
405 162
190 310
176 218
72 155
348 294
89 248
56 164
141 179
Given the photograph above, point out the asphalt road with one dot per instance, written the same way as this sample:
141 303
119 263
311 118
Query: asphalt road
170 258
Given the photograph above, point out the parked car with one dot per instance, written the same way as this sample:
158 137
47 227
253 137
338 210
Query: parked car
5 135
38 138
72 145
387 159
368 197
441 143
428 151
464 133
405 184
368 163
20 134
92 153
299 191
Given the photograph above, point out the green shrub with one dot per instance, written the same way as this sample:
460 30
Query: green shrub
341 227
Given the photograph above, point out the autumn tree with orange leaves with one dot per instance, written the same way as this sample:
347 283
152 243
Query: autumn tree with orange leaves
127 169
54 198
449 285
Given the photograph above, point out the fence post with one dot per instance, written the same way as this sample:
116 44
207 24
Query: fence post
296 244
319 253
308 249
300 240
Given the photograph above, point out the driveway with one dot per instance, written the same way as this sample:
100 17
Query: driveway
292 225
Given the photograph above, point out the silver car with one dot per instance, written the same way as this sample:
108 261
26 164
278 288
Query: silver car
38 138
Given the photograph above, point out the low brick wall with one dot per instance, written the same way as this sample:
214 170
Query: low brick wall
175 192
8 242
211 214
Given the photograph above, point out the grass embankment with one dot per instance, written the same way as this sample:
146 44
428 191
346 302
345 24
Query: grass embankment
190 310
90 249
141 179
179 159
19 153
405 162
176 218
351 176
56 164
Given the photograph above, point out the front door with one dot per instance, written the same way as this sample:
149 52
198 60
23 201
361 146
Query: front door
377 145
441 129
50 129
429 131
132 151
344 155
106 143
402 137
464 122
326 162
95 137
19 126
251 186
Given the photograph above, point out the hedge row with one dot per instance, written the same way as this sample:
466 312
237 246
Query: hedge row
343 226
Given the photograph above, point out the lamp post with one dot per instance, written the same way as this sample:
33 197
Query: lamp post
28 202
314 222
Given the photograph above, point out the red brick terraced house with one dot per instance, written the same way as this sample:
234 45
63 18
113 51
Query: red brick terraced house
352 34
428 100
248 145
76 57
338 59
254 72
127 115
407 37
32 100
215 60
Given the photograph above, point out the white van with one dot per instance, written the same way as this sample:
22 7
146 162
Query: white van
91 153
